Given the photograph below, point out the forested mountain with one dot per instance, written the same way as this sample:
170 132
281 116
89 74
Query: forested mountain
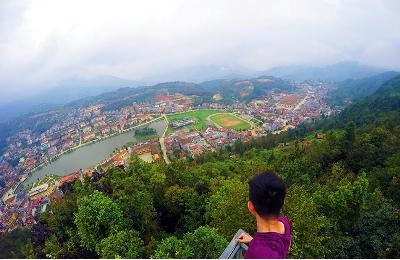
229 91
200 73
343 195
336 72
245 90
380 108
352 89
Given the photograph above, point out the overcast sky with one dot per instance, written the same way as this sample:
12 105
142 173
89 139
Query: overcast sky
44 41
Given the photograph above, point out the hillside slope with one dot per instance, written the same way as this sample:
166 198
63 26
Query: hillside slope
382 108
353 89
229 90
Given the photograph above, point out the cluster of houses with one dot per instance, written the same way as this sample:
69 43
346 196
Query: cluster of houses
282 111
193 143
172 103
148 151
220 137
187 143
23 208
27 150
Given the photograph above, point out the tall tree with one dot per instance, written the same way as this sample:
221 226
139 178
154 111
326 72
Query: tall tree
97 218
227 208
123 244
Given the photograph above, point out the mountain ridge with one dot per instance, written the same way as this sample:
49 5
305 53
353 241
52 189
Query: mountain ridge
334 72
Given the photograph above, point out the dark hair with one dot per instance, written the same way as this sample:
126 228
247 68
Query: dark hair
267 192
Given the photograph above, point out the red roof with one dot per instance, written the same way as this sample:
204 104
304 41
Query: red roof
143 117
290 99
193 146
10 200
69 178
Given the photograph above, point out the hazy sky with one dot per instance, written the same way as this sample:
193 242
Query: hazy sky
44 41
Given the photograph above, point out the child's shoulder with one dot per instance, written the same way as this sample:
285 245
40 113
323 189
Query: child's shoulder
286 223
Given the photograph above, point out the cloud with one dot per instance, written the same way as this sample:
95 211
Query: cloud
44 41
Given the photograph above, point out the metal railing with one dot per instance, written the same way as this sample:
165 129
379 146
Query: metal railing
234 250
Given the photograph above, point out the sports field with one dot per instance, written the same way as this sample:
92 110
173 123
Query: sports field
200 116
230 121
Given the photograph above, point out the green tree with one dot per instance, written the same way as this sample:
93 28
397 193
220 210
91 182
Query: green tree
123 244
239 147
194 210
52 248
348 202
227 208
349 136
15 244
172 247
379 227
61 223
131 194
97 218
205 242
308 226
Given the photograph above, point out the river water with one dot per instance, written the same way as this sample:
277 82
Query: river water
89 155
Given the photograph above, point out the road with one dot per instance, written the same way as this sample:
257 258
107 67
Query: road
301 103
162 143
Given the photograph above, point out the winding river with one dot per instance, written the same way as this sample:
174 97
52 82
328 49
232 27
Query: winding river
89 155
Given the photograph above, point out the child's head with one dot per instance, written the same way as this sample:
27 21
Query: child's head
266 194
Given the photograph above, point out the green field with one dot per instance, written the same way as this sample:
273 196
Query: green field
200 117
229 121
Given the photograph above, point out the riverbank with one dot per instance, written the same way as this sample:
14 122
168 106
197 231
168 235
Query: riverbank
88 144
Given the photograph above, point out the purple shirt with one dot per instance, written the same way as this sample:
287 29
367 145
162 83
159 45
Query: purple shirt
270 244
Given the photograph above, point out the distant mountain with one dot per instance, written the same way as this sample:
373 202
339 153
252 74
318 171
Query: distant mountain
383 104
26 106
224 91
336 72
379 109
353 89
202 73
77 88
245 89
64 92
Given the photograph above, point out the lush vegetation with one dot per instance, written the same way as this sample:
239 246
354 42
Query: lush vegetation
145 133
353 89
15 244
200 117
231 91
343 195
230 121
